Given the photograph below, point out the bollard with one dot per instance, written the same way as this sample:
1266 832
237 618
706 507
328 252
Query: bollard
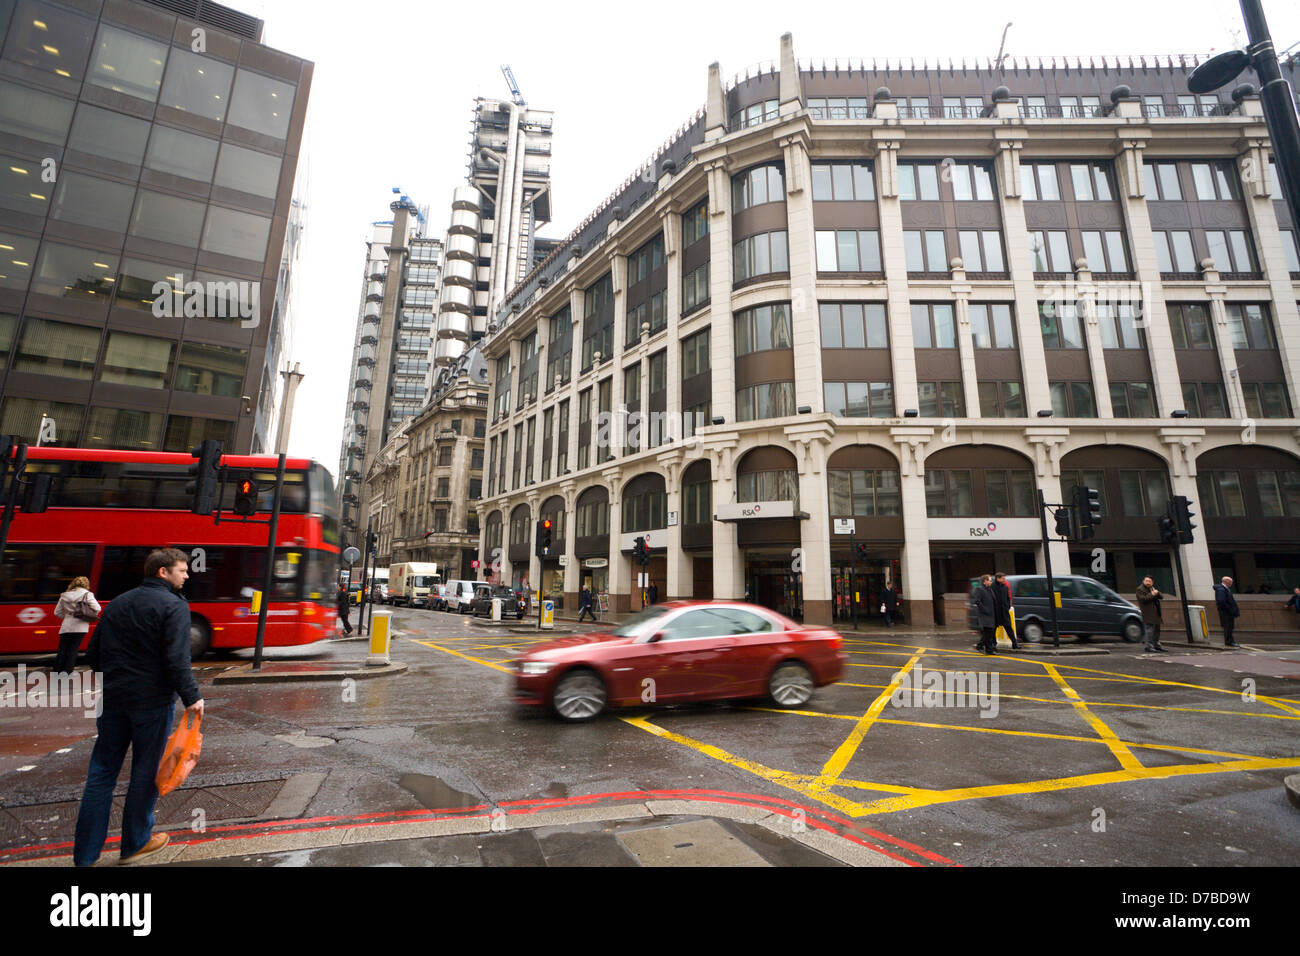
1200 632
496 609
548 614
380 638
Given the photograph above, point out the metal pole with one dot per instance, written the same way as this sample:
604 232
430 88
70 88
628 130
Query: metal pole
268 581
853 573
365 563
1047 560
1182 590
1278 103
11 497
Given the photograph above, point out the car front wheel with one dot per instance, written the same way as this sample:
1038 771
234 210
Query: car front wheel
791 685
578 696
1031 632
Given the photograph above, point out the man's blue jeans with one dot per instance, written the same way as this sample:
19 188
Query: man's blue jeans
145 732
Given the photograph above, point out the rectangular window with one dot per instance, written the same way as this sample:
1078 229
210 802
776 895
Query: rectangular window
1059 322
941 400
695 354
695 224
1118 327
991 326
1001 400
1050 252
918 181
842 182
1189 324
853 325
848 250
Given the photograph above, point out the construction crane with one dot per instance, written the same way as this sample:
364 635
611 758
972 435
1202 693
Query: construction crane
515 95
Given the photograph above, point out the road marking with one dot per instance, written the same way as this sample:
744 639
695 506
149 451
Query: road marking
476 660
1121 752
844 753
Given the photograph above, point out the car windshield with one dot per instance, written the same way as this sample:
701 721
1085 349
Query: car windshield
640 621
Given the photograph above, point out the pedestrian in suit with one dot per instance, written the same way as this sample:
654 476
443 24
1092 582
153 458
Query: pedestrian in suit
344 604
654 594
986 615
1228 610
889 601
1294 603
1002 596
1149 598
77 608
584 604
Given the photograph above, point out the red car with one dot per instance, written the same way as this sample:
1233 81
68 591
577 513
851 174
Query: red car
680 651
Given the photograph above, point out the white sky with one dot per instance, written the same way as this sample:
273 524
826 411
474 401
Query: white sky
395 81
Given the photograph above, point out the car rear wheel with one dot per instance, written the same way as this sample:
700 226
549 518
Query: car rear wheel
1031 632
200 638
791 685
1134 631
578 696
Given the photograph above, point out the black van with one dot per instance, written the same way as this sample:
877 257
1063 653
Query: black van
1087 608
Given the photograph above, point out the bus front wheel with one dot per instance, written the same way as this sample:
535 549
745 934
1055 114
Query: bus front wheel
200 638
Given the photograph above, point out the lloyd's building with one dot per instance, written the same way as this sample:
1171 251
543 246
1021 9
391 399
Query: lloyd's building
911 296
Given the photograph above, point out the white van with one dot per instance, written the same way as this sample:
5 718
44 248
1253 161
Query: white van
409 583
459 595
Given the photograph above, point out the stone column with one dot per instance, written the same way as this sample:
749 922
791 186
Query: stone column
965 340
534 562
572 566
1217 293
1087 305
617 430
620 564
1029 334
809 442
722 357
1047 444
671 430
576 305
918 591
894 259
681 568
803 275
1154 319
1197 570
728 563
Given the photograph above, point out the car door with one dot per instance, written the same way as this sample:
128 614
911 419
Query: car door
744 671
686 661
1076 614
1097 607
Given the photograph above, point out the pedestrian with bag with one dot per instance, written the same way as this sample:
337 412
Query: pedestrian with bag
889 604
1149 598
986 610
344 605
1002 597
78 609
142 647
584 604
1228 610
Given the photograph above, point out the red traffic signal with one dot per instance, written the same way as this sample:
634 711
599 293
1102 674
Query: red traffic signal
245 496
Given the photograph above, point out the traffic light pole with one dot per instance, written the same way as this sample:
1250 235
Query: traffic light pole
365 563
1182 590
1047 560
268 581
853 581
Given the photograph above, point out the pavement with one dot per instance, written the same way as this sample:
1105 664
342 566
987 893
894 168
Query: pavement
1179 758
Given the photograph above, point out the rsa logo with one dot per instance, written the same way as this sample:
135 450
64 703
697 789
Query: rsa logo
750 512
985 531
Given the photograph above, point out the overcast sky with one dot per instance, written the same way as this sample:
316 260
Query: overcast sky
395 83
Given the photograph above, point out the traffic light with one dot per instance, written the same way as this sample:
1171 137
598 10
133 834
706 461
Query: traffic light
1180 507
1087 506
543 537
38 493
862 552
1168 530
203 477
1064 524
640 552
245 495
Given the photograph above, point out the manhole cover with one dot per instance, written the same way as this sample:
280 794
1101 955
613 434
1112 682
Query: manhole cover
696 843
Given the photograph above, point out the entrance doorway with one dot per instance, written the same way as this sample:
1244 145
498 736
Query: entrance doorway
864 588
772 582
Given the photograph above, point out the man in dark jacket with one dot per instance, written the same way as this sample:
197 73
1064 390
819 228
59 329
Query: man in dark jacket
584 604
1294 603
344 604
1002 597
1149 598
986 611
142 647
1228 610
889 600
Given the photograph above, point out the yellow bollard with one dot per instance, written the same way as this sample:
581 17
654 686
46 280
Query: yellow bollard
380 638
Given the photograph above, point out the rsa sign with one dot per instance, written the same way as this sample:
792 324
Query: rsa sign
983 528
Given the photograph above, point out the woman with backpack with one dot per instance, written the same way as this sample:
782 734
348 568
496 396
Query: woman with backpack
78 609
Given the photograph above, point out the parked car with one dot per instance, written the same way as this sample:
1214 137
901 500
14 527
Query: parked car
680 651
511 602
379 592
1088 608
438 598
458 596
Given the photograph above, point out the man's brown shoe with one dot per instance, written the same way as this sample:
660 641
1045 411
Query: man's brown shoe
156 843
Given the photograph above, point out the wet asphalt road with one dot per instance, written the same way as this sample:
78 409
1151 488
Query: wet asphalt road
1092 760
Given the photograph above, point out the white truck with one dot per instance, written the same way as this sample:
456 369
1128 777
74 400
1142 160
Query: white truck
410 582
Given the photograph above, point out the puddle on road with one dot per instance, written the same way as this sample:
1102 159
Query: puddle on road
435 794
555 791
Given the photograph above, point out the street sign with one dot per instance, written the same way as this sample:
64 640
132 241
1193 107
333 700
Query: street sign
351 555
672 519
474 564
845 526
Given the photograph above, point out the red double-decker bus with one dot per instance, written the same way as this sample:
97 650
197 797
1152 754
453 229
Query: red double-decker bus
108 509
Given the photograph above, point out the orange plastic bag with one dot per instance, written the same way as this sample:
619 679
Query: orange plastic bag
182 753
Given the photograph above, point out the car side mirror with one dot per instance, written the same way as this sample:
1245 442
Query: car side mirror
656 637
